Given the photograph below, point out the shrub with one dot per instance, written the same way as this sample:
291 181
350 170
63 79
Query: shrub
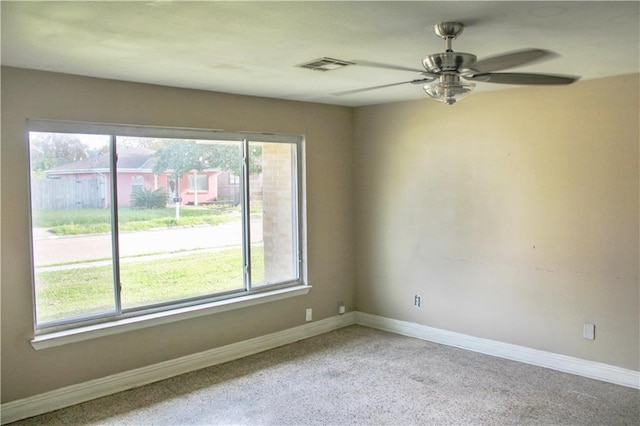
144 198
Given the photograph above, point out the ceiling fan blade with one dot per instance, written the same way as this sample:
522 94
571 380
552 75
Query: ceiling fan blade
511 59
520 78
371 64
382 86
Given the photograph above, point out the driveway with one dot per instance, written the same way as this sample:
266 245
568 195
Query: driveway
50 249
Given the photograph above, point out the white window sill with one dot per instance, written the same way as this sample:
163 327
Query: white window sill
80 334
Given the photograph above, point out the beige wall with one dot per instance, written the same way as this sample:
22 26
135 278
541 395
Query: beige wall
514 214
31 94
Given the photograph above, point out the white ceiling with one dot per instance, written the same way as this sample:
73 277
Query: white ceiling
253 48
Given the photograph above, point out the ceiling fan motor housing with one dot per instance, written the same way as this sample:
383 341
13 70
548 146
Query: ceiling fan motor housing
448 62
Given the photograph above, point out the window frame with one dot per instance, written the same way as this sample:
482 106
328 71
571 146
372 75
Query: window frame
195 306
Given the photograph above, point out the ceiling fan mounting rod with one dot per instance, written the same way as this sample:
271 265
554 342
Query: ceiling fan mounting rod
448 44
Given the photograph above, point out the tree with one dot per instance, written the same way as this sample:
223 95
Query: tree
179 156
182 156
55 149
228 158
140 142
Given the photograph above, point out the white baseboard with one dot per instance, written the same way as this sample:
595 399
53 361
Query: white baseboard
567 364
75 394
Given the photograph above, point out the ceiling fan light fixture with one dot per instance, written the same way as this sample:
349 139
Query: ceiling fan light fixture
449 89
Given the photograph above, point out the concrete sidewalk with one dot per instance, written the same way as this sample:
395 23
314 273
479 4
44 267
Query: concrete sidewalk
50 249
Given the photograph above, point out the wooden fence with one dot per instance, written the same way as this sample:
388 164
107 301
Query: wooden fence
86 193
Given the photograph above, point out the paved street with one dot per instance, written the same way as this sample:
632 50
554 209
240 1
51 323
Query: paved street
50 249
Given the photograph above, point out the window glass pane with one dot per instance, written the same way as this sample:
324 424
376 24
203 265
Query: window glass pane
71 221
229 189
202 182
179 207
273 213
137 182
234 179
175 243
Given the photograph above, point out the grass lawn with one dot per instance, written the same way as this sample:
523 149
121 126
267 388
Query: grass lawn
91 221
88 290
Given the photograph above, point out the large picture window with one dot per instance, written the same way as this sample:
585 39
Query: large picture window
131 220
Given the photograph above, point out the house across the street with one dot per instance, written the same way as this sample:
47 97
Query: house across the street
135 171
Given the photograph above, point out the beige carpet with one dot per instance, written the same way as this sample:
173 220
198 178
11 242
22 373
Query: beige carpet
358 375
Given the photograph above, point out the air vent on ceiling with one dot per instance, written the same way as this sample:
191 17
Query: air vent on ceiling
325 64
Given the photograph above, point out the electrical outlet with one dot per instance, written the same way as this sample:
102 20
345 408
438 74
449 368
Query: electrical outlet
309 314
589 331
417 301
341 309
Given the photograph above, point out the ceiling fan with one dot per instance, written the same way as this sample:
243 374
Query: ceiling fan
443 72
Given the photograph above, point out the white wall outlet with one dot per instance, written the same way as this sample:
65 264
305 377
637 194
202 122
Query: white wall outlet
309 314
589 331
417 301
341 309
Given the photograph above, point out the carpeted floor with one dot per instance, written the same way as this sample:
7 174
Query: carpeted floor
358 375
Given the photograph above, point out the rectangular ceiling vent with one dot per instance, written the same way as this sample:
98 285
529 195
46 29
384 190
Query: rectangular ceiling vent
325 64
